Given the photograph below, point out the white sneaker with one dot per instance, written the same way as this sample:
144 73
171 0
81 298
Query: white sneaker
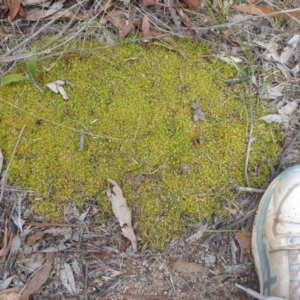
276 237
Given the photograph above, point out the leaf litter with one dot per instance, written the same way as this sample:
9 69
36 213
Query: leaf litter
63 260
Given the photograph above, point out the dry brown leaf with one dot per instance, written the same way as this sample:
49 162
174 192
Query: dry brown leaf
10 296
244 239
115 17
231 31
6 294
150 2
105 5
4 251
22 12
235 41
161 36
39 278
187 23
193 4
124 244
145 26
13 6
102 254
35 237
105 297
67 16
128 26
150 33
263 10
144 248
187 267
38 14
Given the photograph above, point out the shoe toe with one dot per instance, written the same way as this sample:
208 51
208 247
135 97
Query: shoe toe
276 236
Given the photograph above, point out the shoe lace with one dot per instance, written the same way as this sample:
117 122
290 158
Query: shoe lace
257 295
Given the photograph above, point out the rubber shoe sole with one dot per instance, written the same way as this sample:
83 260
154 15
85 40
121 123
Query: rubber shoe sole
276 237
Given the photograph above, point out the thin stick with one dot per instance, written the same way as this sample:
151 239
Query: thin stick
243 219
249 189
42 29
61 125
248 18
4 178
1 160
249 146
62 31
226 230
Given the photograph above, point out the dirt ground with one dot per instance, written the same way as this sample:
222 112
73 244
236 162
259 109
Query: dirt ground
82 258
100 264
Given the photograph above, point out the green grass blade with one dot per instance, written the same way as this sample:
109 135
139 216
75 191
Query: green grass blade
12 78
31 65
238 67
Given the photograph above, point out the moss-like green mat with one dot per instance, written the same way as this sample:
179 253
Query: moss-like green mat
134 103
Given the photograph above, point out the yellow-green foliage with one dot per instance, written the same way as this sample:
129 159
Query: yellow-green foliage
134 104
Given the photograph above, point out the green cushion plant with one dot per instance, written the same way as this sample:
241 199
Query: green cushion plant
134 103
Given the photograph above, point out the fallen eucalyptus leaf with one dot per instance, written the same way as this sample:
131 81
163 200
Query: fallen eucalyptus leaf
275 119
5 283
35 261
290 49
288 109
18 221
39 278
57 87
197 235
10 296
14 249
67 278
244 239
121 211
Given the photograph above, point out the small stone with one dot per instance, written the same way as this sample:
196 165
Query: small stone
195 106
209 260
198 113
184 169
